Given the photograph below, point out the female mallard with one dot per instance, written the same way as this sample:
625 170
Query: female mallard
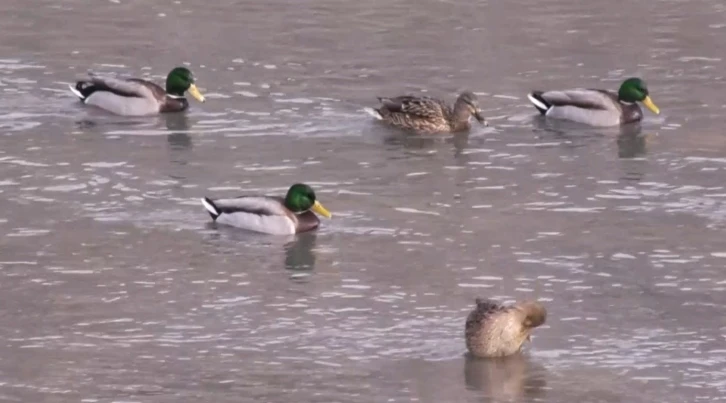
494 330
596 107
268 214
429 115
137 97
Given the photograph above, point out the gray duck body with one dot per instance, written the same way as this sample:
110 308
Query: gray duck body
592 107
128 97
264 214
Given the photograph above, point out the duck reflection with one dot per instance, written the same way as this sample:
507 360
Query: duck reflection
631 143
300 255
416 144
410 141
178 126
299 249
632 146
571 135
507 379
461 141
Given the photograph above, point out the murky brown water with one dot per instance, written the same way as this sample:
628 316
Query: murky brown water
116 289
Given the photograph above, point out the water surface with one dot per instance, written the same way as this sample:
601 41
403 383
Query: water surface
117 289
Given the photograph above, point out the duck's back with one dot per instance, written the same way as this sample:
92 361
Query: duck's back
423 114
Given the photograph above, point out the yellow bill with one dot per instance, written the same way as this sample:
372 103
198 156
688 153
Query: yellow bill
318 208
195 93
650 105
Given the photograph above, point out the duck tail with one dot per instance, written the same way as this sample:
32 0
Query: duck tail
374 112
211 207
82 89
535 97
76 91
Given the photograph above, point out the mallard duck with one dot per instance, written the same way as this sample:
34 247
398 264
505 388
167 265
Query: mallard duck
494 330
137 97
268 214
429 115
596 107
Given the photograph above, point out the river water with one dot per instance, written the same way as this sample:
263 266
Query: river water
115 287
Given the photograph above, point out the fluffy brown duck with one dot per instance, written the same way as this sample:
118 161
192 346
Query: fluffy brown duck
495 330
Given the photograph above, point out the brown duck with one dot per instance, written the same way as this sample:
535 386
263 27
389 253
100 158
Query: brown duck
429 115
494 330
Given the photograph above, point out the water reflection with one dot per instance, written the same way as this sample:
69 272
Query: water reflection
299 249
299 255
461 141
410 141
631 144
571 135
508 379
178 126
420 144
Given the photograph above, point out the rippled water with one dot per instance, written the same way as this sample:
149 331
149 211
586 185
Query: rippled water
116 288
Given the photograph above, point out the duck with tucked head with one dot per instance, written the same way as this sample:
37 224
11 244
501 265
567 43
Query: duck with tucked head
494 330
269 214
138 97
596 107
429 115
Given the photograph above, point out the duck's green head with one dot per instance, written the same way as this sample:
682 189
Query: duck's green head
301 198
634 90
181 80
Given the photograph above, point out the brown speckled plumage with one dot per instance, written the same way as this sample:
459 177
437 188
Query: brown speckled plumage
430 115
494 330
